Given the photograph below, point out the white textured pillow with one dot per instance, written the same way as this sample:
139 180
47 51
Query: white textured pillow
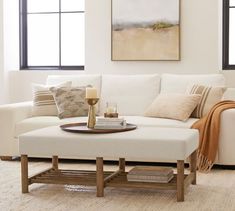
173 106
43 100
78 80
70 101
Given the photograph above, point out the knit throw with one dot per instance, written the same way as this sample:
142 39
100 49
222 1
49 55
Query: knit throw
209 130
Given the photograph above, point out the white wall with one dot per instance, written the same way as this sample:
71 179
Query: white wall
200 47
11 34
3 75
1 54
20 82
199 41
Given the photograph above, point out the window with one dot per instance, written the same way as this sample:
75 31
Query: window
228 34
52 34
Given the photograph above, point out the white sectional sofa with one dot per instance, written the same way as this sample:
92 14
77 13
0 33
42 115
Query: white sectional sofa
133 94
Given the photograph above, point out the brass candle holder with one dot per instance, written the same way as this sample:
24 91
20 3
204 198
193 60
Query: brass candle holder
92 112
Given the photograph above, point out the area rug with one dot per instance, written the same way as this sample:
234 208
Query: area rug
215 191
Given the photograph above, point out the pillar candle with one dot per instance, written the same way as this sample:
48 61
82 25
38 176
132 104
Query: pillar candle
91 93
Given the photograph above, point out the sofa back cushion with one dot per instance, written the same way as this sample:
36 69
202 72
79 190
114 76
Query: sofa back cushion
77 80
132 93
229 94
172 83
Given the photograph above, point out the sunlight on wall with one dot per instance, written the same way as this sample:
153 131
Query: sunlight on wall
11 34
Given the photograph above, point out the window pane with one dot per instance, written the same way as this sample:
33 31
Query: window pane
72 5
43 39
232 3
232 37
72 39
43 5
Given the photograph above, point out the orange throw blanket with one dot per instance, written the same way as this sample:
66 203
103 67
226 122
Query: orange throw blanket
209 129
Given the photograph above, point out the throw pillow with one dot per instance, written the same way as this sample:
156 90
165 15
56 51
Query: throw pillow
173 106
70 101
210 96
43 101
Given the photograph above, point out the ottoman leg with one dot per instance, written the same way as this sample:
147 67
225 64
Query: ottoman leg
180 180
99 177
193 166
55 162
122 164
24 174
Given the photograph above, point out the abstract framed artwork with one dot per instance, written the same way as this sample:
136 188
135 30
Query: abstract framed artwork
145 30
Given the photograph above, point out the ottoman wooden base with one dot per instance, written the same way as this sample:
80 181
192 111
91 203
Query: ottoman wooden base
6 158
102 179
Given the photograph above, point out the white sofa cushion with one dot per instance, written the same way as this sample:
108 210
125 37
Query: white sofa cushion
34 123
43 121
172 83
132 93
159 122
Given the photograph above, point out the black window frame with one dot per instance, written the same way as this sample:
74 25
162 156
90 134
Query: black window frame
23 38
225 59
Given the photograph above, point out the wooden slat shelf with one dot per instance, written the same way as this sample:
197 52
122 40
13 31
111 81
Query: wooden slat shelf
80 177
69 177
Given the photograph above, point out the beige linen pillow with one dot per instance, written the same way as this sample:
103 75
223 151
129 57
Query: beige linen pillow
210 96
70 101
43 101
173 106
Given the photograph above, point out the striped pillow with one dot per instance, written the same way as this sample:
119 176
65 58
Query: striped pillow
43 100
210 96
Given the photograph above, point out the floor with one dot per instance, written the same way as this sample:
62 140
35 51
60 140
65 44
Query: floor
215 192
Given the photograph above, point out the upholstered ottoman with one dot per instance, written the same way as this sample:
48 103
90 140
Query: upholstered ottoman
142 144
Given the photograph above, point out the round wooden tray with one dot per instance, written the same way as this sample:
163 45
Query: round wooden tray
82 128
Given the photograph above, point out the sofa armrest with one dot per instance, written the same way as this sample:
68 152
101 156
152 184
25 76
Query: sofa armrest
226 155
16 111
10 114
